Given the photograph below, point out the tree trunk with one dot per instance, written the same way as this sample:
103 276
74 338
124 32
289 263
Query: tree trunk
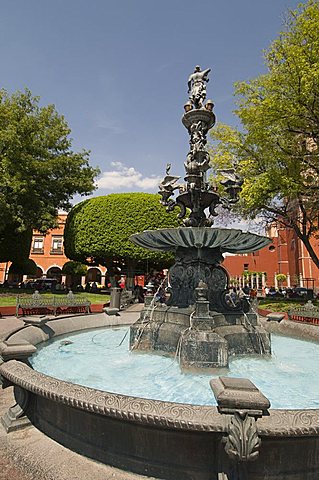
306 241
131 264
112 273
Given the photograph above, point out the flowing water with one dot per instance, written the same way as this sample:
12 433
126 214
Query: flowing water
101 359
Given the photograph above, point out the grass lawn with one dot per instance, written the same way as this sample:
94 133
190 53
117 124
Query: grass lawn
283 305
9 299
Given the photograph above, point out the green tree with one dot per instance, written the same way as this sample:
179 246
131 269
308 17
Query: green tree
276 151
281 277
14 246
39 171
25 267
97 231
74 268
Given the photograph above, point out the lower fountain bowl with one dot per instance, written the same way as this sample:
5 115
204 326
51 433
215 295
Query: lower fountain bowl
155 438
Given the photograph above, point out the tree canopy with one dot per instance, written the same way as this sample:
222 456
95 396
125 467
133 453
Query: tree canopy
276 150
98 230
26 267
14 246
39 172
74 268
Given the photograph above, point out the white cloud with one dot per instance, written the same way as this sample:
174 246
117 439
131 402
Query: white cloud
124 178
112 127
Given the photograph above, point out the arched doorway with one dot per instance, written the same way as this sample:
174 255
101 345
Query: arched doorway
93 275
55 272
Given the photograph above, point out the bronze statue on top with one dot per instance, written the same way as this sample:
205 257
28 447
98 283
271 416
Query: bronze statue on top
197 86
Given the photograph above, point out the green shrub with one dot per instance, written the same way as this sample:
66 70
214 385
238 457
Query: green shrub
98 230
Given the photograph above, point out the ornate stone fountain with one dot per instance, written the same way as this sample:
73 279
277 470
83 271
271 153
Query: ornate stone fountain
200 319
163 439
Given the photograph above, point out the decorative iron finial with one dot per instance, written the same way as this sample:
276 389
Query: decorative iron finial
232 183
198 195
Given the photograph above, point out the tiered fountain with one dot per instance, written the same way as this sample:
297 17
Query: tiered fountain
200 318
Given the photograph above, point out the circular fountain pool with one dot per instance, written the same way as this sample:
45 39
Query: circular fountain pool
102 360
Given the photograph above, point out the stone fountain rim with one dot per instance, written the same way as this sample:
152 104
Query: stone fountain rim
279 423
229 240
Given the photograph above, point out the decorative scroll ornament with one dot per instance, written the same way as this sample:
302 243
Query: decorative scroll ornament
242 443
167 186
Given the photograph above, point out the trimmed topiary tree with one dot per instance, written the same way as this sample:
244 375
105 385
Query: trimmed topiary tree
74 271
97 231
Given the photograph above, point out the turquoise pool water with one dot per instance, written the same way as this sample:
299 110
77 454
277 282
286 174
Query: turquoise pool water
101 359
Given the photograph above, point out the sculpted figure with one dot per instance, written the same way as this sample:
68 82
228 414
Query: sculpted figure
167 186
197 86
198 138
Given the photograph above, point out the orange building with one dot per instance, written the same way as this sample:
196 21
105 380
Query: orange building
287 255
48 254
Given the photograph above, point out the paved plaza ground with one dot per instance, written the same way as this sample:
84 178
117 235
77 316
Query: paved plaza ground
28 454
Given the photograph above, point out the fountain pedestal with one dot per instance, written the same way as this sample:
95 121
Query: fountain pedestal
198 337
203 349
200 345
200 323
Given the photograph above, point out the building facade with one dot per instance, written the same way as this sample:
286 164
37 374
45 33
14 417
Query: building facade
286 255
48 254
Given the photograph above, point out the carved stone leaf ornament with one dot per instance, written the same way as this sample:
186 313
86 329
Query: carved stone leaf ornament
242 442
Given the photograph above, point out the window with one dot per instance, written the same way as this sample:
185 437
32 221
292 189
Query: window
246 266
37 245
56 246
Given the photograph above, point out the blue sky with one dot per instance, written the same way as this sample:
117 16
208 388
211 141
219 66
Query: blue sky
117 70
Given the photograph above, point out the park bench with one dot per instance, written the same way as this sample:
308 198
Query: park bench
37 304
308 313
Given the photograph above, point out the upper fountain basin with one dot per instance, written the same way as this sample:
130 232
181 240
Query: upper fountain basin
226 239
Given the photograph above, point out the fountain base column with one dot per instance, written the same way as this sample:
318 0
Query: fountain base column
196 335
203 349
200 345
